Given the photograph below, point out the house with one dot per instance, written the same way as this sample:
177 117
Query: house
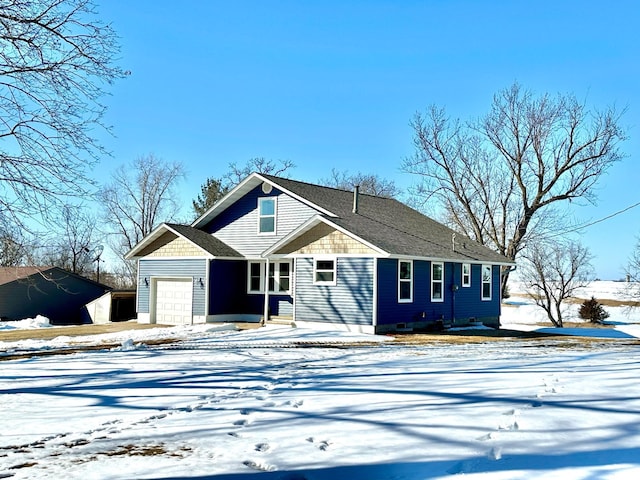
52 292
316 256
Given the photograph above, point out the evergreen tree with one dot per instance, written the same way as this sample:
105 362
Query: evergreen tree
592 310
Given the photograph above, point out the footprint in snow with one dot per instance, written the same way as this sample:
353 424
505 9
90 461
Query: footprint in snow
495 453
262 467
242 423
323 445
295 403
262 447
509 426
513 411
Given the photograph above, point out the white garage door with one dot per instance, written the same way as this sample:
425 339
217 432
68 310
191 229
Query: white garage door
173 301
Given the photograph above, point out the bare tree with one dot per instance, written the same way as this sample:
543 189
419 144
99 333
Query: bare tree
499 178
368 182
633 271
140 196
552 272
55 59
211 191
14 248
72 243
238 173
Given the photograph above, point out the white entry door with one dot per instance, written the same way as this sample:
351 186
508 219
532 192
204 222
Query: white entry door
173 301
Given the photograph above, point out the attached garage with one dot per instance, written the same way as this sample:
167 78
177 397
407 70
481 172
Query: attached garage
173 301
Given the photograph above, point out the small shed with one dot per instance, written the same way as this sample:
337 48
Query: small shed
113 306
53 292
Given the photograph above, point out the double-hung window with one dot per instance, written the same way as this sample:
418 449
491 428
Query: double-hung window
405 281
267 215
437 282
486 282
279 277
278 280
324 271
466 274
255 277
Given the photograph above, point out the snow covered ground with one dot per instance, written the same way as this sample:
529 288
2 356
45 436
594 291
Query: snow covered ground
224 404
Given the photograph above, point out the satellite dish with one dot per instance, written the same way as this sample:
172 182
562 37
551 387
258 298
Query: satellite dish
96 253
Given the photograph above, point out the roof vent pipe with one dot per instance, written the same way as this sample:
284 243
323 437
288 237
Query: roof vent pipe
356 199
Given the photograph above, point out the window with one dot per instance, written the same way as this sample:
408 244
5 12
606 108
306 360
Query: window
466 275
255 277
486 282
437 282
284 282
279 279
267 215
324 272
405 281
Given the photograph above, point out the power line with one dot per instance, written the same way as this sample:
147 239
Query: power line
595 222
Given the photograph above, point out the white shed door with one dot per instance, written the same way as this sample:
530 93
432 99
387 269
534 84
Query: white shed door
173 301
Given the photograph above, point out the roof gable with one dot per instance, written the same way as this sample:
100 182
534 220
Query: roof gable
246 186
207 244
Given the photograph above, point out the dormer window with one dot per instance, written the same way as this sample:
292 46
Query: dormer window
267 215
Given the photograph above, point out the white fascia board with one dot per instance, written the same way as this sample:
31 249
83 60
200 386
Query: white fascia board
157 233
312 222
221 205
243 188
452 260
207 254
297 197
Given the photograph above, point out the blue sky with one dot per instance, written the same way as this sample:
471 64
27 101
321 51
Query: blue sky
334 84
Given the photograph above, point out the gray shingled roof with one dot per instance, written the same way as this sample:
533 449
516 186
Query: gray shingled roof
391 225
206 241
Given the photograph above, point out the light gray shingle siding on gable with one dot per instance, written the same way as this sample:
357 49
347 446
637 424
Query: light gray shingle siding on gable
350 301
194 268
238 225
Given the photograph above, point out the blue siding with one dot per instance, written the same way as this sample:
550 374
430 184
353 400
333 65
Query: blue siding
468 300
238 225
460 305
228 289
228 292
350 301
157 267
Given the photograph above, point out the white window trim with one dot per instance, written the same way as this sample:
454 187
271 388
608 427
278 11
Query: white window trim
262 265
441 282
334 270
276 277
466 283
405 280
264 279
483 283
275 214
